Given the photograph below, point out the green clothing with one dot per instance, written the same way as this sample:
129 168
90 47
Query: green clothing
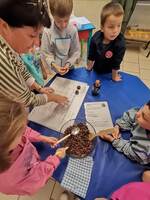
32 63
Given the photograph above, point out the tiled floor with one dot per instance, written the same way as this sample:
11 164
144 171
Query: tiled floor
136 63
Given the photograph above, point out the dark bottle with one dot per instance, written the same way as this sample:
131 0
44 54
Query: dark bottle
96 88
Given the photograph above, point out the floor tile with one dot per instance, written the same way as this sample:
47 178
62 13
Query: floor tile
58 191
145 74
144 62
8 197
132 67
147 83
132 73
132 55
43 194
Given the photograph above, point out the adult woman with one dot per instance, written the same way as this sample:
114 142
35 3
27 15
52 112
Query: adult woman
21 22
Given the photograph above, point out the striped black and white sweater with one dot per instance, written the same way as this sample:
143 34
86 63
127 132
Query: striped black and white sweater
15 80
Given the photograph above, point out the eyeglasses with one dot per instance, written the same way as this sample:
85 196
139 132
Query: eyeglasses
41 4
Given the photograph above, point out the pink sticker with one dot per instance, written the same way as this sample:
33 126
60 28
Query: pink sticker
108 54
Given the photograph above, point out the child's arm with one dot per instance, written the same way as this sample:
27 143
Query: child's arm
127 121
90 64
75 50
39 173
47 48
35 136
131 150
91 54
119 52
115 75
44 69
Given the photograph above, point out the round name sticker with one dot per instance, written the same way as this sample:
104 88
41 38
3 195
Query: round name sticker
108 54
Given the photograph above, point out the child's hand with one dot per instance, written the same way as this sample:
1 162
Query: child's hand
116 133
116 76
62 100
63 70
61 152
52 141
107 137
89 64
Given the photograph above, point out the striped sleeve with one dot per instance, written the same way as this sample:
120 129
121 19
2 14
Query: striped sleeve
13 81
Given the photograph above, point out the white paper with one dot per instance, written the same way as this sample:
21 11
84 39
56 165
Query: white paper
82 20
98 114
53 115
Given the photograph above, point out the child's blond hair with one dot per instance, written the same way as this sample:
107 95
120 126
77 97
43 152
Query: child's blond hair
111 8
61 8
13 119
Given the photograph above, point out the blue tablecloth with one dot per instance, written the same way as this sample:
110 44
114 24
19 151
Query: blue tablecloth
111 169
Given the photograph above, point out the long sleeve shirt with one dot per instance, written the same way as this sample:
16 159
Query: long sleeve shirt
59 46
106 57
134 190
138 146
15 80
28 173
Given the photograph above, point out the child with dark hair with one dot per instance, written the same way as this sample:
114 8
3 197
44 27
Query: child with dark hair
137 121
22 172
107 46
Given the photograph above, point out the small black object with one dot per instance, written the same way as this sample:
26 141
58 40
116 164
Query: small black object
77 92
96 88
78 87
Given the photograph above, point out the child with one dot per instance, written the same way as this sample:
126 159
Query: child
60 43
138 146
21 170
130 191
107 46
34 65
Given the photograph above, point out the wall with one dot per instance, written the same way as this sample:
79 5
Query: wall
141 15
90 9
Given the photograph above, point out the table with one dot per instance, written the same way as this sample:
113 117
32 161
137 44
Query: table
85 34
111 169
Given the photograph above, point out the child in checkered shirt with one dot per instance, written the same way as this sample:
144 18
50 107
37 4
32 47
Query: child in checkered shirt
137 121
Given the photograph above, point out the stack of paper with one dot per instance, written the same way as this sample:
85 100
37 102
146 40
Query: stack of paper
53 115
98 114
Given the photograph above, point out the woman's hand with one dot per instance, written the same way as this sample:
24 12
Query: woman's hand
46 90
62 100
61 152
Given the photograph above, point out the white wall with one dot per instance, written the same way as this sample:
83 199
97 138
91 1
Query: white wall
91 9
141 15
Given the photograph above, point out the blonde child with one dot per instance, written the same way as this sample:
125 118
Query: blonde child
60 44
107 46
21 169
137 121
